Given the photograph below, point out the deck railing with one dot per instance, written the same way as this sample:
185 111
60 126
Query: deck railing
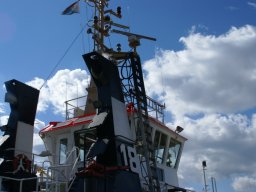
75 107
55 172
20 180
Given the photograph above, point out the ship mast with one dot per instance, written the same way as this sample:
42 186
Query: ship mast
102 27
98 25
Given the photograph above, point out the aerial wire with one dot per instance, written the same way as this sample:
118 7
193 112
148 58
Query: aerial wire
129 18
163 82
81 25
62 57
109 41
83 45
87 19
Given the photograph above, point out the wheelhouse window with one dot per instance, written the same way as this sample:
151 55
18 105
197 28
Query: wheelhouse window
63 150
79 142
160 145
173 153
83 141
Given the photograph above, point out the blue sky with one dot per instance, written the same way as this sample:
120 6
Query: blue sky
203 66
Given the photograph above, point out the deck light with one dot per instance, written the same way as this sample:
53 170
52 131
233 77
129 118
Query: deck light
179 129
204 164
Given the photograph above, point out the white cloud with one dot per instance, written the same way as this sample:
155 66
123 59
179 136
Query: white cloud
252 4
37 141
211 74
232 8
3 120
195 28
214 77
38 125
64 85
205 87
225 142
242 184
2 108
38 144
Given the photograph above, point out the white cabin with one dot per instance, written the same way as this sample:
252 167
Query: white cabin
70 140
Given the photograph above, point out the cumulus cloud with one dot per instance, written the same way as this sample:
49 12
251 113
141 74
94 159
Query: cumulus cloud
2 108
38 145
211 74
226 142
206 86
64 85
244 183
3 120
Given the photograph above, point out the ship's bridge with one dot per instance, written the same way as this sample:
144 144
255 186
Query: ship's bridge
73 132
168 143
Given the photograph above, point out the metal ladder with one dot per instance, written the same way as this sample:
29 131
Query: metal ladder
144 129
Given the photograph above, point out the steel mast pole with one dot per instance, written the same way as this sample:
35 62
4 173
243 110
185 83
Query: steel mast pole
204 169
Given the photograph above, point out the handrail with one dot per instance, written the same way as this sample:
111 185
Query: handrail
74 149
55 168
70 107
153 106
21 180
67 177
72 171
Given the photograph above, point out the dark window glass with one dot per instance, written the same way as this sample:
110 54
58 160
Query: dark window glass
63 150
160 145
173 153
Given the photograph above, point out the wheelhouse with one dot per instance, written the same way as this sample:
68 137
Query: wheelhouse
70 141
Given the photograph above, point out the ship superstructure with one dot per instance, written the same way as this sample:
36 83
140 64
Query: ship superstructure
117 140
120 138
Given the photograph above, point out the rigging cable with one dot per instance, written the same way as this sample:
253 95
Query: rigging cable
62 57
87 19
83 45
81 25
109 41
129 17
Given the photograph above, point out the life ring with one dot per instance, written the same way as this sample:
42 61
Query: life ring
21 162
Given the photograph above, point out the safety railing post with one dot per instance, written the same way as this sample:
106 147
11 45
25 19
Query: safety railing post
21 182
37 184
0 183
